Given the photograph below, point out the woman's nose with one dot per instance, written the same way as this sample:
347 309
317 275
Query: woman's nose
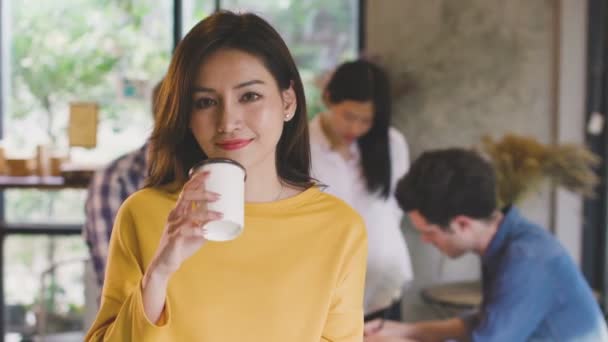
229 119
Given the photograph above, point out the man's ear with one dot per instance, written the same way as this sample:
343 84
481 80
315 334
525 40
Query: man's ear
290 102
461 223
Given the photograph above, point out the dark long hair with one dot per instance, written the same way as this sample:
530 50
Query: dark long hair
174 148
363 81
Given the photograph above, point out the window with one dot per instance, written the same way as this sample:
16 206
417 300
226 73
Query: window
44 288
319 34
54 53
194 11
112 54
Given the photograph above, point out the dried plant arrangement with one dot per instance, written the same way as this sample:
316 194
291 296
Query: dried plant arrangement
522 164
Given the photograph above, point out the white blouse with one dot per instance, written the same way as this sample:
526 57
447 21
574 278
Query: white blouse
389 267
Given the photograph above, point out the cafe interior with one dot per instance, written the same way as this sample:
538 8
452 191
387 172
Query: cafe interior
76 85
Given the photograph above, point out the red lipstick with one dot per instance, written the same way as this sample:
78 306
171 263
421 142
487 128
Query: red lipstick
234 144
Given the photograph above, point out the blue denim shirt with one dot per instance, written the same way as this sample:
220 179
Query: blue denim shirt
532 289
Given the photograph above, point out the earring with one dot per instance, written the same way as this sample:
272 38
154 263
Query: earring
219 130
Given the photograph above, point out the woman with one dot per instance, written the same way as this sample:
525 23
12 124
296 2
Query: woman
296 273
360 158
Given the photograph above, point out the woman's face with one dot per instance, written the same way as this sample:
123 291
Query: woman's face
351 119
238 109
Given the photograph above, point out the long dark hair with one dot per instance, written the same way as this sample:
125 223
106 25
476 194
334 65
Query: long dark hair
174 149
364 81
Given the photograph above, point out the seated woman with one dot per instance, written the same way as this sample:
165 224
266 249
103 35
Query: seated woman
359 157
296 272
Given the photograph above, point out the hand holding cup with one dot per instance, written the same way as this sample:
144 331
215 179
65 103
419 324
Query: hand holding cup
184 232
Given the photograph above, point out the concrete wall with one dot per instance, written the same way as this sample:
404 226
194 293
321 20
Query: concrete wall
478 67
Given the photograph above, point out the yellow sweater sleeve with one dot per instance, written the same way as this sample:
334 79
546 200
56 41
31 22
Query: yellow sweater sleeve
345 319
121 315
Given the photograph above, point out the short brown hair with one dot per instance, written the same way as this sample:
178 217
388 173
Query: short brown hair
443 184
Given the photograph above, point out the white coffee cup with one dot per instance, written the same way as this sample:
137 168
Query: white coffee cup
227 178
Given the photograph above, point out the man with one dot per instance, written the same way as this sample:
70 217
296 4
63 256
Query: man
532 290
108 189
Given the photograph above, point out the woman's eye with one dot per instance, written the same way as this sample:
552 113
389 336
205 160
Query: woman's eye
204 102
250 97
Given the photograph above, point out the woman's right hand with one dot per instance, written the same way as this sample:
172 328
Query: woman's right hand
184 233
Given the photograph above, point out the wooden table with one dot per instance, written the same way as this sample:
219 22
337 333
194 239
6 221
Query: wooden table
43 183
460 295
449 299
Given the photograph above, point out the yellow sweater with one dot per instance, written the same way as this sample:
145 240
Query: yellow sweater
296 273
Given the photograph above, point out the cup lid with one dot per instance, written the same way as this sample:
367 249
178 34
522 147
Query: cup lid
216 161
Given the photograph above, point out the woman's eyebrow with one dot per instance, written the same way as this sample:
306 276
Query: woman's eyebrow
248 83
238 86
